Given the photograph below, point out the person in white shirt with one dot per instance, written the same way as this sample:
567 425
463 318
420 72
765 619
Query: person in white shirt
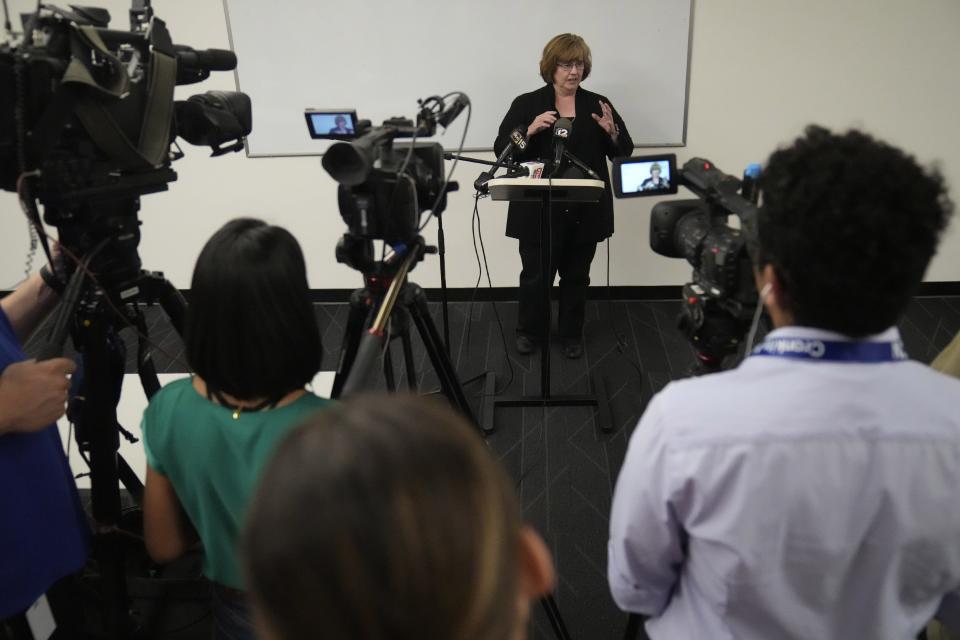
814 491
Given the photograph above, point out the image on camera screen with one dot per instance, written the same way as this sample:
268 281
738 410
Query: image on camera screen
645 176
336 125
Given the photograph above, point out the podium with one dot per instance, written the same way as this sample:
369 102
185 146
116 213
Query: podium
549 193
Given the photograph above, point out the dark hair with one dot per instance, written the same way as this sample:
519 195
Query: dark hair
849 224
566 47
384 517
250 329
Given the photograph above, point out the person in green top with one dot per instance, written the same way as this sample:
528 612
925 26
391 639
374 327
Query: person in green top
252 341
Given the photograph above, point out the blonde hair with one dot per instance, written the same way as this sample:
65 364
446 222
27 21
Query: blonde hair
566 47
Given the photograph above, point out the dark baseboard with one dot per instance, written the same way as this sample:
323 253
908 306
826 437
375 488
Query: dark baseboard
509 294
646 293
939 289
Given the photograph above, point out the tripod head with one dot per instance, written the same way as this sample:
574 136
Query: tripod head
358 253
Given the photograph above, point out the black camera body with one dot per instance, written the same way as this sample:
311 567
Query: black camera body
87 120
697 230
721 298
407 179
385 186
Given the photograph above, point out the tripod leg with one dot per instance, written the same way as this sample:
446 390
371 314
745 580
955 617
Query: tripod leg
130 480
103 364
416 303
409 365
155 287
556 620
442 253
633 626
145 365
388 376
351 339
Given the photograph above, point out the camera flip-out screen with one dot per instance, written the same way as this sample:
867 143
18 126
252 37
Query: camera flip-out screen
645 176
330 124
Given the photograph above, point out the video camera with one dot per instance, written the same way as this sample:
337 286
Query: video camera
385 187
88 125
87 120
721 299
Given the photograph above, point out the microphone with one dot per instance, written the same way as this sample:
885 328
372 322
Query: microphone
518 139
195 66
448 115
561 131
518 142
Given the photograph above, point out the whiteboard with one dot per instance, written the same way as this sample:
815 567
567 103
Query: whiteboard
380 56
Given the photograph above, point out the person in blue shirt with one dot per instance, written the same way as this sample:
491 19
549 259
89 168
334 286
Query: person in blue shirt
43 531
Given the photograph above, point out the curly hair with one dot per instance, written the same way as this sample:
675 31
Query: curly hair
849 224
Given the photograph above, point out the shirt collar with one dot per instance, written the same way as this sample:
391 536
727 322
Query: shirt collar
890 335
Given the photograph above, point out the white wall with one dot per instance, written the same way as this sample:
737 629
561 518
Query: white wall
379 91
761 70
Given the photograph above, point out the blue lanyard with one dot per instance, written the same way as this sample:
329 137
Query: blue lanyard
831 350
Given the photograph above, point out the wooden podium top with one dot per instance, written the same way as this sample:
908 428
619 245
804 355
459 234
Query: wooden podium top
535 189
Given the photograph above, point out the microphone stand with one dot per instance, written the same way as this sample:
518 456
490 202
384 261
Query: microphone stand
513 166
441 241
580 164
480 184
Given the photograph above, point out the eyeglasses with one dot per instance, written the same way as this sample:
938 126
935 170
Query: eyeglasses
566 66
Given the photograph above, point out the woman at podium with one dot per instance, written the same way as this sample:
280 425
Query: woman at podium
598 133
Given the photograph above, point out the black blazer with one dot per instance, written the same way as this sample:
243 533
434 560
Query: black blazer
588 141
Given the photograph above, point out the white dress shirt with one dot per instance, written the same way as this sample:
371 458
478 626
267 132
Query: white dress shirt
792 499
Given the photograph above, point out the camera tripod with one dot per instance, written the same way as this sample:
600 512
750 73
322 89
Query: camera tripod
361 348
93 316
400 301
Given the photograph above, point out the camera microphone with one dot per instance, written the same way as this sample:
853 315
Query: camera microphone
561 131
518 142
195 65
448 115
